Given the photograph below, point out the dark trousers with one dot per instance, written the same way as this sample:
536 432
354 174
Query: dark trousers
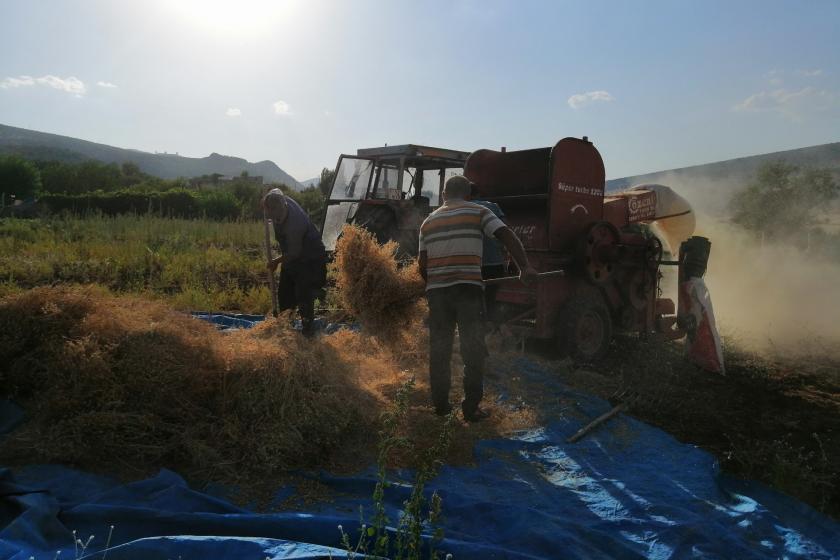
301 283
461 305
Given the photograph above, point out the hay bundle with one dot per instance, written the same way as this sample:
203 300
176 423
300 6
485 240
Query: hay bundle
371 285
110 381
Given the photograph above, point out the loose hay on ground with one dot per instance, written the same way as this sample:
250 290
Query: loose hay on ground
110 381
123 385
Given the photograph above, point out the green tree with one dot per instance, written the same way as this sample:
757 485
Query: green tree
130 169
326 181
248 196
56 176
94 176
18 177
783 199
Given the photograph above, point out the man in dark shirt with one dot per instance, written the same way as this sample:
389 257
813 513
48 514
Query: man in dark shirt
492 264
304 259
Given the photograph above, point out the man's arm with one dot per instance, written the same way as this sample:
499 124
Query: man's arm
517 251
422 262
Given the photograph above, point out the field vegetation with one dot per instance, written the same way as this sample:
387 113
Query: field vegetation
192 264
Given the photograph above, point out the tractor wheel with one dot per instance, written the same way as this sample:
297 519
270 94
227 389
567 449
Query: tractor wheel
584 327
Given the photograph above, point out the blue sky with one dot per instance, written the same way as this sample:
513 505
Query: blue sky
655 85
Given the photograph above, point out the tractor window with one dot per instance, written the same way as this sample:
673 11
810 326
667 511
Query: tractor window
388 183
431 186
432 183
351 179
337 216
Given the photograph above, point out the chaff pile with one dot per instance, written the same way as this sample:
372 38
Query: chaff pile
109 382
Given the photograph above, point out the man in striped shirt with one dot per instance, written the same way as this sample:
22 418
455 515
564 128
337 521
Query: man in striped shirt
451 246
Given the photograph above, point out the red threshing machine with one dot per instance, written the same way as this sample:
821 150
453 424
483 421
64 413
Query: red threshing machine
553 198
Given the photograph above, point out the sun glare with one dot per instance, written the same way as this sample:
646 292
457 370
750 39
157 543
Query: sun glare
235 17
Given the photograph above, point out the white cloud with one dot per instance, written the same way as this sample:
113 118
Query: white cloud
281 108
106 84
71 84
811 73
233 112
790 103
22 81
579 100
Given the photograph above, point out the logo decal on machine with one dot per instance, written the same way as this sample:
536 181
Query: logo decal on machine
642 206
576 206
577 189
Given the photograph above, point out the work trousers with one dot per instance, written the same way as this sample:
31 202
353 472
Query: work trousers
301 283
461 305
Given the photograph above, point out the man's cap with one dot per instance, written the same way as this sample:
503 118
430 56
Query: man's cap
276 205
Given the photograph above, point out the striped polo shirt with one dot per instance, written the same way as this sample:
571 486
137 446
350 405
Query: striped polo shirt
453 238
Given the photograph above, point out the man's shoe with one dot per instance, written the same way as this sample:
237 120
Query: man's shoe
477 415
443 411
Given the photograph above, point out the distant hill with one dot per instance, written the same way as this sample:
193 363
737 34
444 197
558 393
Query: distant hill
41 145
709 187
313 182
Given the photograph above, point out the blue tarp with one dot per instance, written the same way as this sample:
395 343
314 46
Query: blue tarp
626 491
227 321
234 321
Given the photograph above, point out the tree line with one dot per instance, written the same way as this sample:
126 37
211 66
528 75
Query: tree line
111 189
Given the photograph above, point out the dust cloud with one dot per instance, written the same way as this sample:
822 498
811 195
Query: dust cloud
769 298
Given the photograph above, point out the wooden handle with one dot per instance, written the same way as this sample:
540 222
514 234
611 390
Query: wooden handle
597 422
272 285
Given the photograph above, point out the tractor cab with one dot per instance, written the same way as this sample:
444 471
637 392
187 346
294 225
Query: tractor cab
389 191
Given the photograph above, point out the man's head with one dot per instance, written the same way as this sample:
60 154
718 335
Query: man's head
275 205
457 188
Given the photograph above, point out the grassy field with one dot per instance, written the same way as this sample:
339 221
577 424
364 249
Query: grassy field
191 264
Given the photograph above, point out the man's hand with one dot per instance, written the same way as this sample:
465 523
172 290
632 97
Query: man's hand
528 274
274 263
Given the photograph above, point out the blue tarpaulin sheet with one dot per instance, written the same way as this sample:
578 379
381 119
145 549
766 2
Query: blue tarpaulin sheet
227 321
234 321
627 490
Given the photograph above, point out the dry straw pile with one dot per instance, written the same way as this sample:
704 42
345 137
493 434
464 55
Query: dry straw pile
118 383
385 297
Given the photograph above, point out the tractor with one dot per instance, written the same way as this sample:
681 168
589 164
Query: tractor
389 191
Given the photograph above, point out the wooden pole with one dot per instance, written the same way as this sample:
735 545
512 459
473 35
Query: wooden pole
272 285
597 422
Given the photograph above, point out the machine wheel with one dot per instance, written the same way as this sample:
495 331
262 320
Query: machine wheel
584 327
596 250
